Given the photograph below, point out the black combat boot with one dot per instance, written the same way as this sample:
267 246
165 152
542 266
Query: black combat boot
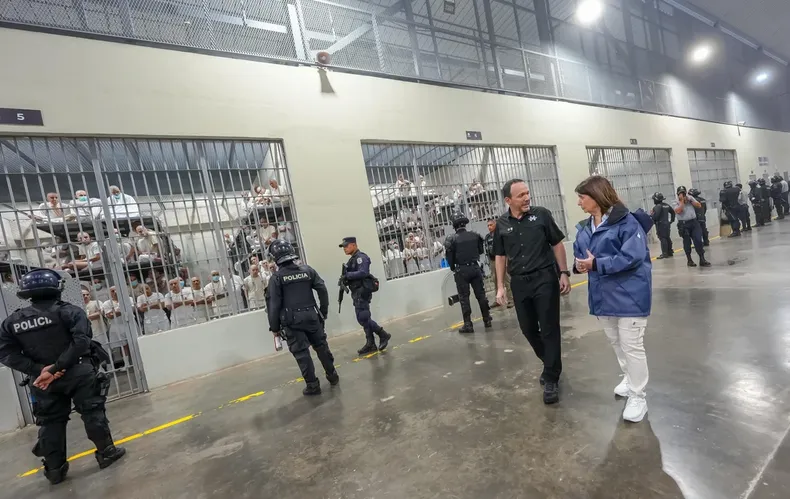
333 378
735 234
467 328
384 338
661 257
488 323
313 388
368 348
56 475
109 455
691 263
704 263
551 393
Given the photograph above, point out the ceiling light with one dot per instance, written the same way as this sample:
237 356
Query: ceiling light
700 54
761 77
589 11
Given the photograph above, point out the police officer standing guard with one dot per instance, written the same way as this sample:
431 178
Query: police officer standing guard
689 227
729 201
463 250
663 217
359 280
765 195
776 195
757 202
292 310
702 215
50 341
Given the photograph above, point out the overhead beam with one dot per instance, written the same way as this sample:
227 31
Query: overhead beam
360 31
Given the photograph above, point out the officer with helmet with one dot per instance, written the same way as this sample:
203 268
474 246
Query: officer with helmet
51 341
663 217
765 195
294 314
776 196
757 203
362 284
463 250
729 202
688 226
702 214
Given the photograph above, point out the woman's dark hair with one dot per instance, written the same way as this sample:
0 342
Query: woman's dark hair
600 190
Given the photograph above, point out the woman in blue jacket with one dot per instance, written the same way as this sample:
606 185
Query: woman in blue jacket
611 248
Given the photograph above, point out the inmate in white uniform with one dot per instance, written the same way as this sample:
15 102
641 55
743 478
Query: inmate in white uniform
412 267
202 311
222 306
117 328
155 319
256 288
395 262
98 325
423 258
184 315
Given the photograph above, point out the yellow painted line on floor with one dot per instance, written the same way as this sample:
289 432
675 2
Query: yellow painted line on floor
176 422
419 338
245 398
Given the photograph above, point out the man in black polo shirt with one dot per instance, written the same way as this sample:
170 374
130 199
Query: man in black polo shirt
528 246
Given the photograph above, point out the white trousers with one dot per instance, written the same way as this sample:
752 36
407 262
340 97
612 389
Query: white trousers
626 334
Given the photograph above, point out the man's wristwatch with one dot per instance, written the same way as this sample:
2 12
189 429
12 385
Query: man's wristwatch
566 272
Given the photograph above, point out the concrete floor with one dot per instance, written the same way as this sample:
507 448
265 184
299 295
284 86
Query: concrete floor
454 416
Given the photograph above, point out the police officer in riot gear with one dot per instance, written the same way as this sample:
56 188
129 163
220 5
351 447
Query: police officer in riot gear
362 285
776 196
294 314
663 217
728 197
688 226
757 203
765 195
51 341
702 213
463 250
743 209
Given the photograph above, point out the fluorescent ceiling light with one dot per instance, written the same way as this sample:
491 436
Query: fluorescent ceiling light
589 11
761 77
700 54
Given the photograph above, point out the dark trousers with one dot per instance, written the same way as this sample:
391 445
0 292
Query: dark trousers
466 275
703 225
308 331
744 216
758 214
664 236
691 232
780 208
786 203
52 408
732 218
766 209
362 301
536 297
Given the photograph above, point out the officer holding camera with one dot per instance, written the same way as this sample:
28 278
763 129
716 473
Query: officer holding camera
294 314
50 341
689 227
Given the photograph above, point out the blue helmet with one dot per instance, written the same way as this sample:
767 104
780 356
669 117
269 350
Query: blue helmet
282 251
40 284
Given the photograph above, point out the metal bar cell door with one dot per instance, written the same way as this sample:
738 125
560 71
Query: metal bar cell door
710 168
636 173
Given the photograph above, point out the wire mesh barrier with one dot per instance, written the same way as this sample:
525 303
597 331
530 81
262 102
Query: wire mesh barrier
710 169
635 173
160 234
415 189
482 43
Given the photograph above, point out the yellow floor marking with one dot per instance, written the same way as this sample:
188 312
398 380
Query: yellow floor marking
246 397
182 420
419 338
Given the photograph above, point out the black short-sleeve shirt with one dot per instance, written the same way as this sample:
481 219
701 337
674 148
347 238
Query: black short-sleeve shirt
527 242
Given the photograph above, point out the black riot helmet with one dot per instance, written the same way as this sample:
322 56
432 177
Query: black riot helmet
739 186
752 183
694 192
681 189
658 198
728 184
775 179
282 251
41 284
459 220
761 181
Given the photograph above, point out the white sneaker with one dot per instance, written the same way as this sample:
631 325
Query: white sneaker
635 409
622 390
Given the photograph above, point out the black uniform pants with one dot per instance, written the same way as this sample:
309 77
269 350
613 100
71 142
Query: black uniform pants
51 408
308 331
691 232
362 299
786 203
537 301
732 218
780 208
703 226
744 216
664 236
766 208
758 214
466 275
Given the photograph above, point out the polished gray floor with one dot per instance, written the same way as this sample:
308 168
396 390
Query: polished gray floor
454 416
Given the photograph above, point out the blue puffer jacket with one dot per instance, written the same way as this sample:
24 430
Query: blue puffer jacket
621 283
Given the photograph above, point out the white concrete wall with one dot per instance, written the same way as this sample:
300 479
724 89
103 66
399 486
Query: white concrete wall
88 87
10 412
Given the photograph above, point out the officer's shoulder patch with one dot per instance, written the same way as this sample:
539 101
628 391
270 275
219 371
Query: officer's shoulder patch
359 261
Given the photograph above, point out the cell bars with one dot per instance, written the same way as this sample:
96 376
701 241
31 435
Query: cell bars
131 219
710 169
415 189
635 173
